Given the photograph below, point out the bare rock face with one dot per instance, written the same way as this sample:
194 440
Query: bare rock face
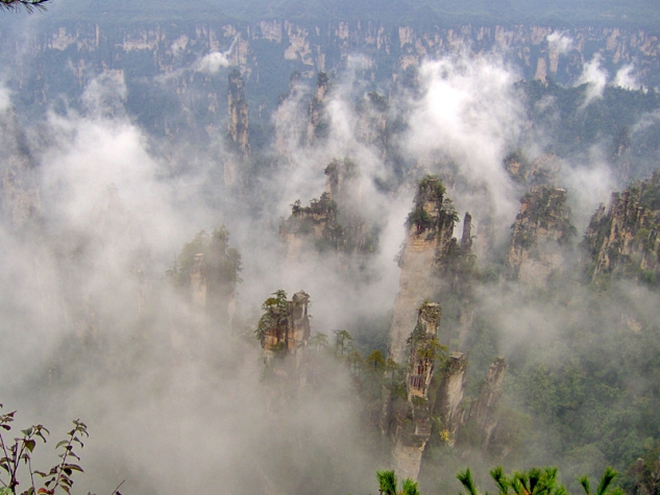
483 411
544 170
21 201
541 229
413 418
283 332
290 133
332 222
430 230
318 119
207 269
316 224
238 124
340 180
421 358
449 395
622 240
466 238
371 127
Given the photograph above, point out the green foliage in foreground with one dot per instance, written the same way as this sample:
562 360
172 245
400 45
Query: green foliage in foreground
535 481
387 484
18 452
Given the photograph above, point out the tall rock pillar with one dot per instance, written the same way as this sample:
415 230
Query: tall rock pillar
413 418
430 231
238 125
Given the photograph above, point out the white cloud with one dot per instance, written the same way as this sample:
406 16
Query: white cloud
588 184
212 63
595 77
469 115
106 94
626 79
5 98
560 42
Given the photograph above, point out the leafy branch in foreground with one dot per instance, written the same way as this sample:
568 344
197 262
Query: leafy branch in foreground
60 475
19 450
16 456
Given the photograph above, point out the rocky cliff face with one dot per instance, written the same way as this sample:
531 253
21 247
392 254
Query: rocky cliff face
622 239
541 229
285 325
318 119
21 201
482 413
433 404
447 407
207 271
544 170
314 226
267 52
430 230
332 222
238 122
238 125
372 116
413 418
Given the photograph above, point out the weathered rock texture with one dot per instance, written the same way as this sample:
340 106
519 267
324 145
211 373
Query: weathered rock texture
290 133
541 229
207 269
318 119
238 124
429 239
285 325
332 222
544 170
622 240
413 419
21 201
447 407
66 55
421 358
313 46
372 118
483 411
315 224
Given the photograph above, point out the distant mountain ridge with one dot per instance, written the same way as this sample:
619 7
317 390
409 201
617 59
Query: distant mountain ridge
446 12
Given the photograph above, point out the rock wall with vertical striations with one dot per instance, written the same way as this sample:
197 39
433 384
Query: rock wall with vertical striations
482 415
333 222
21 200
238 125
623 238
540 231
447 406
413 418
430 231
